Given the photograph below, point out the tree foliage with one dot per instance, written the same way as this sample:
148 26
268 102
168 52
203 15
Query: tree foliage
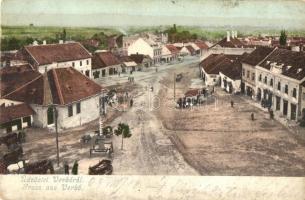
283 38
180 36
124 131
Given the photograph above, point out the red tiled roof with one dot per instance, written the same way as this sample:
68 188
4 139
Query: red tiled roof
233 43
202 45
10 113
257 55
192 92
58 86
293 63
104 59
138 58
190 48
49 53
172 49
12 79
233 71
15 69
214 63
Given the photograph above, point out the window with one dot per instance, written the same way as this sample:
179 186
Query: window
253 76
70 110
303 96
265 81
80 63
248 74
286 89
260 78
243 72
271 82
78 108
294 92
87 62
279 86
73 64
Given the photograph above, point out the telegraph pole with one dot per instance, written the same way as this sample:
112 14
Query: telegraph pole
174 87
56 130
102 112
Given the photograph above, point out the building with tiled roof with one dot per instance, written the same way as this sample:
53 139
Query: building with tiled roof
14 116
169 53
187 50
74 95
49 56
211 66
249 69
142 60
128 64
280 76
230 77
105 63
146 47
230 45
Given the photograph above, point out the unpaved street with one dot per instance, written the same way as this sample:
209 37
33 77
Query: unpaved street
213 139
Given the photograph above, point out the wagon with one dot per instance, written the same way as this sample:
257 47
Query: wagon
104 167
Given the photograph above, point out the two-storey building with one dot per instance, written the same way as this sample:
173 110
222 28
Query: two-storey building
51 56
279 82
248 85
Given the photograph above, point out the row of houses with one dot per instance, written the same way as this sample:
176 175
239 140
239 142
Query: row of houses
161 52
274 77
29 97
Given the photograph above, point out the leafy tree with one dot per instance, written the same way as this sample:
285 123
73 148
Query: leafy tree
124 130
283 38
75 168
64 35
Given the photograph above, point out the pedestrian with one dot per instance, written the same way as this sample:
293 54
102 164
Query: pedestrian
119 74
252 116
131 102
66 167
232 103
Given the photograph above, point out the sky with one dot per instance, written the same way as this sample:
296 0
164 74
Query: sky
265 13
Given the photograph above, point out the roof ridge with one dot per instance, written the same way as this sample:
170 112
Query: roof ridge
61 98
22 86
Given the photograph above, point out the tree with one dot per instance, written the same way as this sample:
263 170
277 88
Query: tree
64 35
283 38
75 168
124 130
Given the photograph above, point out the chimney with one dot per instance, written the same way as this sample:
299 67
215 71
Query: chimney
233 34
44 42
228 36
35 43
61 42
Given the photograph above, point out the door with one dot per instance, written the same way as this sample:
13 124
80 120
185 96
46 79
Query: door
50 116
285 107
293 112
278 103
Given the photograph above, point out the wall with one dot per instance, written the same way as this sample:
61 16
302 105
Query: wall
235 83
229 51
141 47
40 116
89 112
284 81
77 66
